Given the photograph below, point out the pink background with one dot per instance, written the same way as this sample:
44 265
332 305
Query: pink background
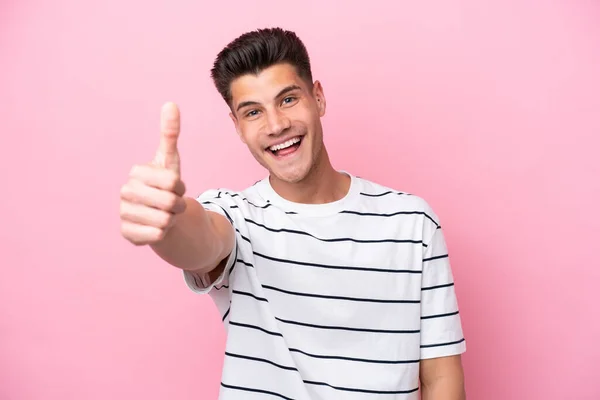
488 109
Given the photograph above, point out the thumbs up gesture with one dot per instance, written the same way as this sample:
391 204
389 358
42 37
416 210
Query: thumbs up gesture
152 198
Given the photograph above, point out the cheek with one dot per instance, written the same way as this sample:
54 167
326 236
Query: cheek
246 133
251 139
305 120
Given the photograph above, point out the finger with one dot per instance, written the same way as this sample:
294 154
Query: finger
159 178
148 216
139 193
141 234
167 154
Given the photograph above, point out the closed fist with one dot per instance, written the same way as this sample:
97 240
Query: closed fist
153 196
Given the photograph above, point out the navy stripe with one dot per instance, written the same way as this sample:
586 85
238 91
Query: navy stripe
342 267
222 286
221 207
258 328
347 389
437 226
245 263
341 328
260 360
254 205
234 264
250 295
242 236
335 239
438 286
425 346
248 201
320 384
439 315
367 214
383 194
255 391
344 328
322 296
354 359
325 357
226 313
435 258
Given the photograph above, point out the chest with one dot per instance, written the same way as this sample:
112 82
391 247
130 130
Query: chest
340 274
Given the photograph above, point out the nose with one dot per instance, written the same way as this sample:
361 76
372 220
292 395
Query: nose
277 122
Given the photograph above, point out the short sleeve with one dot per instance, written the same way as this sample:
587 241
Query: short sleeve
441 328
214 201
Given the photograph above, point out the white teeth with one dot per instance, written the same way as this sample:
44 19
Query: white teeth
285 144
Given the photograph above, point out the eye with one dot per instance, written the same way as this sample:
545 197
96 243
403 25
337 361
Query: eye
289 101
252 113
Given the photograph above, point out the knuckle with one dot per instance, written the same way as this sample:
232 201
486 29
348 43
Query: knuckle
138 241
165 221
158 220
171 202
172 180
128 234
124 231
125 191
158 235
183 206
123 210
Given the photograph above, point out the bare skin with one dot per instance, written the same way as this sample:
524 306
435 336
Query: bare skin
442 379
155 211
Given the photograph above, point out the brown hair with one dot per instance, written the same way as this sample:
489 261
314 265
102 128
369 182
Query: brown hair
255 51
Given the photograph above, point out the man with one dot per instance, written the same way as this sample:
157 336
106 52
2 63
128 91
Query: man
330 286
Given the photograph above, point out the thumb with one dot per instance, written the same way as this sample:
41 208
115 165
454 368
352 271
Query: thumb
167 155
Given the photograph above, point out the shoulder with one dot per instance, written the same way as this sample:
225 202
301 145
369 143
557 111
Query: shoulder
224 194
390 199
232 201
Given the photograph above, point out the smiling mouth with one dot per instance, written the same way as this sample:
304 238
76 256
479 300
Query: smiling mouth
287 147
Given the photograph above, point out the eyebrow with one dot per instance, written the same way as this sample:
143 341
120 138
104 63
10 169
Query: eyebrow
281 93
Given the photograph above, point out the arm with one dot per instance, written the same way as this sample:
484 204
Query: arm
155 212
198 241
442 338
442 378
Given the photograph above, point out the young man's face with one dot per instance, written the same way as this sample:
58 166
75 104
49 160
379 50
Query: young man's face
278 116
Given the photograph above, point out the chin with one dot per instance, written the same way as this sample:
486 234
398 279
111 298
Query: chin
291 175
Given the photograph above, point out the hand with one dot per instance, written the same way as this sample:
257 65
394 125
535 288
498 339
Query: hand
153 196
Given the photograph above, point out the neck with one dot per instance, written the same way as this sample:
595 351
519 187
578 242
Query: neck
322 185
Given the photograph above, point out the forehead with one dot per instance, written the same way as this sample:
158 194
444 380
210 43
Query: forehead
265 85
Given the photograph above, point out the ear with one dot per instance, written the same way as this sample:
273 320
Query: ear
319 96
237 126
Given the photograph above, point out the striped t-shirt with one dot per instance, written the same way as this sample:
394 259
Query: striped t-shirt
331 301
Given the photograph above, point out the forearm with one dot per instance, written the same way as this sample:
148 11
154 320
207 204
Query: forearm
442 378
443 389
195 242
